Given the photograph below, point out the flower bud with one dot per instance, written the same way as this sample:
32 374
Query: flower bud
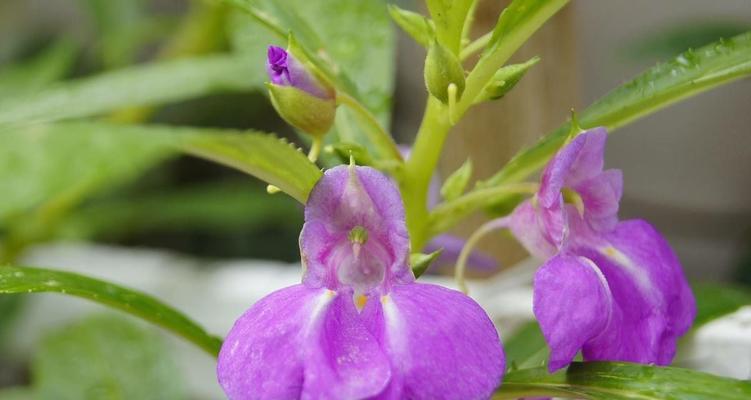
504 80
298 95
443 68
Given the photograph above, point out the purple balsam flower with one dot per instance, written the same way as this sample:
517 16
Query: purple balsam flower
300 96
614 290
359 326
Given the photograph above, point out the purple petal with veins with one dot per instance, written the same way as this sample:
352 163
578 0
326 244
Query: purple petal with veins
359 326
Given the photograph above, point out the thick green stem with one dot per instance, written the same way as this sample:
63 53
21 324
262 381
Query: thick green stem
420 167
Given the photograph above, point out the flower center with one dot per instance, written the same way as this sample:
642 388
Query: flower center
361 261
358 235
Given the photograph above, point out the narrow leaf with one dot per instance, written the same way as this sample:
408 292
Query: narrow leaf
14 280
52 64
152 84
688 74
420 28
455 184
263 156
516 24
621 381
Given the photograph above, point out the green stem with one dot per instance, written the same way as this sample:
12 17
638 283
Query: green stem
380 138
512 35
420 167
446 215
461 262
475 46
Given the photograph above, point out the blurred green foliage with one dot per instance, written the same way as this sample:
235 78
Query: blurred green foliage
104 357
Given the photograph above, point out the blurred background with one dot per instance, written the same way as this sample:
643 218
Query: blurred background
210 241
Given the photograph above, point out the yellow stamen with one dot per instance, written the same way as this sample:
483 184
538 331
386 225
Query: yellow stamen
360 301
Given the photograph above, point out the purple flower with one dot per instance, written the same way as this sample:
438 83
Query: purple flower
614 290
359 326
285 70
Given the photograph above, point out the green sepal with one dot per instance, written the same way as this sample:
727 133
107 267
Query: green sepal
504 80
443 68
345 150
302 110
420 262
456 183
420 28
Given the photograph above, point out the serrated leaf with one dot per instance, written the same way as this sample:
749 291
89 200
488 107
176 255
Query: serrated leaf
420 28
38 163
420 262
455 184
261 155
104 357
149 84
15 280
621 381
688 74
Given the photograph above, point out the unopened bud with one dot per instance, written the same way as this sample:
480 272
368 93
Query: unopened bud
443 68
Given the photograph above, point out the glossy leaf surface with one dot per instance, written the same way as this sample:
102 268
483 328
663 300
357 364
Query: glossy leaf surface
15 280
621 381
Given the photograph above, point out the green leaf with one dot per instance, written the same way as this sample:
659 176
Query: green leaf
14 280
455 184
688 74
420 28
104 357
50 65
449 17
671 40
17 393
36 163
264 156
526 348
714 301
47 170
516 24
621 381
420 262
151 84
